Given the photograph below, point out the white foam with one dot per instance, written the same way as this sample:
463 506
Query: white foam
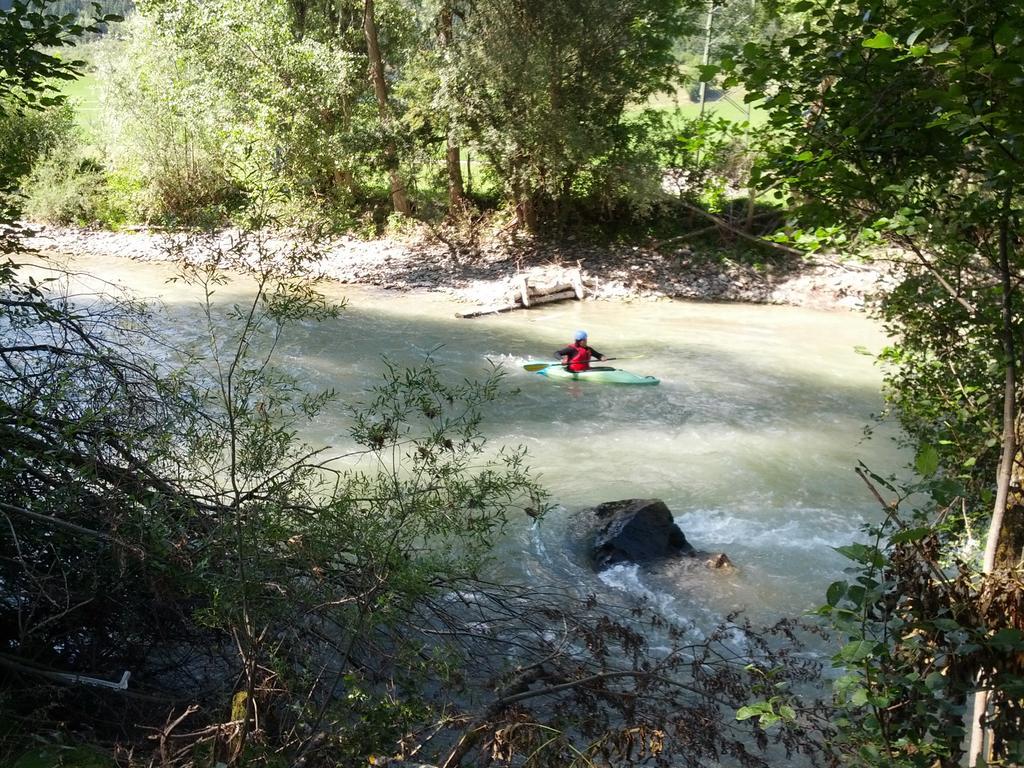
628 579
806 529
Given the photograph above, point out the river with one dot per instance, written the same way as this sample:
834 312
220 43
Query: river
751 438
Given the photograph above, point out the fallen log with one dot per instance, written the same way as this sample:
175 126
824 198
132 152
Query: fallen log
545 288
494 309
560 296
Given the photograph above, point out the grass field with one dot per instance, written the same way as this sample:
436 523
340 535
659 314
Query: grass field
84 95
730 106
84 92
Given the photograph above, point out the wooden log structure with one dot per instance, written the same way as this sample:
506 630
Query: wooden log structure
524 290
527 294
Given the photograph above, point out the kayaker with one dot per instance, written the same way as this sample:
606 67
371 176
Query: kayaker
577 356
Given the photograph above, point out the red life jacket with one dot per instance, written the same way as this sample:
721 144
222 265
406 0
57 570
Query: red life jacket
580 361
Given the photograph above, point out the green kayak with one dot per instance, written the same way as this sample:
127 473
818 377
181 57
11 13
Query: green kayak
599 374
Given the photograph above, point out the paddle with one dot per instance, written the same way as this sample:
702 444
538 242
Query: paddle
542 366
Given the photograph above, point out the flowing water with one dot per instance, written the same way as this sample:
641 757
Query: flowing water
751 438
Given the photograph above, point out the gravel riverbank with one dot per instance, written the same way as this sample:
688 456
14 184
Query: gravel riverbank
488 276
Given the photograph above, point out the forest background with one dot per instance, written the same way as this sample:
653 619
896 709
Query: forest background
167 519
186 107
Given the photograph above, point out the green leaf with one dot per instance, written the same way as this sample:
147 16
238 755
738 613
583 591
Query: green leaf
879 700
804 157
758 709
856 594
861 553
1006 35
945 490
927 461
912 38
707 72
835 592
856 651
1008 639
870 754
935 681
846 683
881 40
964 43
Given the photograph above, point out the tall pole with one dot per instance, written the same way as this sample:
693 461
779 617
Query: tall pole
706 58
753 20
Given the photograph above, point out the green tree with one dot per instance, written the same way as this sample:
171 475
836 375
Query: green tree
27 72
903 122
542 89
28 81
399 198
288 86
168 131
446 43
27 136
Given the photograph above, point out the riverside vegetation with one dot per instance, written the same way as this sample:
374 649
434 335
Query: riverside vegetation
162 516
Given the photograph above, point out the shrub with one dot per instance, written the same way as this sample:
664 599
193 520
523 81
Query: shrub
25 137
64 188
123 200
170 141
706 158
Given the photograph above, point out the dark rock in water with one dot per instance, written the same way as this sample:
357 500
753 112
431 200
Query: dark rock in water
637 530
642 530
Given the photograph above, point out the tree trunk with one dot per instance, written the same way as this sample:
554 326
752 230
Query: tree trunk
456 193
1009 394
399 199
1006 531
526 213
345 179
1010 545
